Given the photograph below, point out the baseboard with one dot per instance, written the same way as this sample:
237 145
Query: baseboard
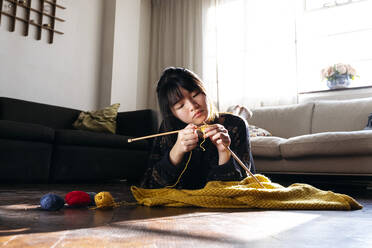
326 181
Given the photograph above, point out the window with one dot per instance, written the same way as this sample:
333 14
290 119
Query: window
249 52
265 52
330 32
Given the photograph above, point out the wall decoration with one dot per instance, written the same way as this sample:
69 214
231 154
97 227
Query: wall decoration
38 13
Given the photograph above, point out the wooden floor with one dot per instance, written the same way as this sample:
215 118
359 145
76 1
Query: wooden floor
23 224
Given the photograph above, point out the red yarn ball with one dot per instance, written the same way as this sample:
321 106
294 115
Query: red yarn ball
77 199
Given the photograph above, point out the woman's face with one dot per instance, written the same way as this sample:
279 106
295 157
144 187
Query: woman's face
192 108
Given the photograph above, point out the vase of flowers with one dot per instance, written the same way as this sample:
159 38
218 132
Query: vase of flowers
338 75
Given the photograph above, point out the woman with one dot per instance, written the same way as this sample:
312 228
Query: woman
179 160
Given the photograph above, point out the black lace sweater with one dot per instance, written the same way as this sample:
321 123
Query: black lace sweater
203 165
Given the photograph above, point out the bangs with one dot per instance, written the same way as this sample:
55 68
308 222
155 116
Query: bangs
174 93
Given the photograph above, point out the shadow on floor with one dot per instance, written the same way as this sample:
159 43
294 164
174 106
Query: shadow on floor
20 212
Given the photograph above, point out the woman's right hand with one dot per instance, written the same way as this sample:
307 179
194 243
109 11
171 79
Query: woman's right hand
187 140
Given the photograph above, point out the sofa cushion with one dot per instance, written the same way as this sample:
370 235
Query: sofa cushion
37 113
266 146
24 131
346 115
284 121
328 144
137 123
92 164
88 138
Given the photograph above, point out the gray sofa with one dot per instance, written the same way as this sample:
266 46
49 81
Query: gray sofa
318 138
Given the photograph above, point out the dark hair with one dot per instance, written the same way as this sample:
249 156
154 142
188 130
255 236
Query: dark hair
168 91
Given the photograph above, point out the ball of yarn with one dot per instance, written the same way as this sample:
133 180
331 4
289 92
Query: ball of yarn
104 200
92 201
77 199
51 202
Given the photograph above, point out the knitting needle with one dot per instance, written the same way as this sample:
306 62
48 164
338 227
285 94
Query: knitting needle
159 134
228 148
243 166
153 136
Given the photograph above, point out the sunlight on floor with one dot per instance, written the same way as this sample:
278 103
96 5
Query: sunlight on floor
19 207
268 223
247 226
13 231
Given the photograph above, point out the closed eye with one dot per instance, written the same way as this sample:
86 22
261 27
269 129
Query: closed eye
196 94
179 106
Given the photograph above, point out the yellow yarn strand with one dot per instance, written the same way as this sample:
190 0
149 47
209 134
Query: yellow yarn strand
202 129
183 171
104 200
201 144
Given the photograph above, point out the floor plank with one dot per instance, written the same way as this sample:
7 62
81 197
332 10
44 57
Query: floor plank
23 224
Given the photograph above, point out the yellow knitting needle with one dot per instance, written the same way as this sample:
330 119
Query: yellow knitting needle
244 167
161 134
202 128
153 136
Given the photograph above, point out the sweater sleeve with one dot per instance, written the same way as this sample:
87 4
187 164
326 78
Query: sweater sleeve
160 172
240 145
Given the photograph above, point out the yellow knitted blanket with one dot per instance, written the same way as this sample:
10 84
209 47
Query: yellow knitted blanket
247 194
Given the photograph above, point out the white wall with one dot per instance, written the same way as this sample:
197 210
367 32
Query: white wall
143 72
95 63
107 52
63 73
131 53
125 58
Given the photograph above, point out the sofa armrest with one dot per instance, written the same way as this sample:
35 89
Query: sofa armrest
137 123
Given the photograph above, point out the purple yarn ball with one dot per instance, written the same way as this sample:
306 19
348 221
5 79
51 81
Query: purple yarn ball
92 201
51 202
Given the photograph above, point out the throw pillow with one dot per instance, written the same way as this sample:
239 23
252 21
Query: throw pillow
240 111
257 131
103 120
246 114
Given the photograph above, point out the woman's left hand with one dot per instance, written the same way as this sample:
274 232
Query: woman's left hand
219 136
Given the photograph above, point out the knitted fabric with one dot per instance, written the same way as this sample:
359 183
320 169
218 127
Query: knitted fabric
247 194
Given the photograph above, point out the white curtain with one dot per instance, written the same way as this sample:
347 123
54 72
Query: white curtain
249 52
244 50
176 39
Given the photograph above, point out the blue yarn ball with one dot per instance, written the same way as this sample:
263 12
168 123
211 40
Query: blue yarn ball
51 202
92 201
